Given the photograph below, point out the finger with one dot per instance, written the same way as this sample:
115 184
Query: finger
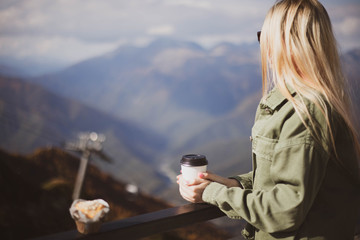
213 177
183 184
195 191
192 193
195 181
186 193
183 195
180 178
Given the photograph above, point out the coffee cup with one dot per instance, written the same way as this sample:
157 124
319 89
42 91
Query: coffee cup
192 165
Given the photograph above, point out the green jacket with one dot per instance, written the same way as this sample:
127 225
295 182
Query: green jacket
297 189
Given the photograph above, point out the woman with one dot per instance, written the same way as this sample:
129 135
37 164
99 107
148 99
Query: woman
305 151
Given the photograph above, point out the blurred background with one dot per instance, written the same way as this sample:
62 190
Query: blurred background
156 79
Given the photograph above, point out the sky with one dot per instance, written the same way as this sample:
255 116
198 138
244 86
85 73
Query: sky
58 33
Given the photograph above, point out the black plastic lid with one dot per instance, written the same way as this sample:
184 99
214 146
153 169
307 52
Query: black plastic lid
193 160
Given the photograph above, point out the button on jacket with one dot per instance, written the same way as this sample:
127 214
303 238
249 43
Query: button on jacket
298 189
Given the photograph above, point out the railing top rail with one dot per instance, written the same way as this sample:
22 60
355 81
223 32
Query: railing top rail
147 224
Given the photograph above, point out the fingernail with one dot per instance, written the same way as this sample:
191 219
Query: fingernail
201 175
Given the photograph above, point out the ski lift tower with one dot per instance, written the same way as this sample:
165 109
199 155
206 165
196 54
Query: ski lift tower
87 144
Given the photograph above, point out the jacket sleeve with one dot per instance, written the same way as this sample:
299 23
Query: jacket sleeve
284 207
297 169
245 180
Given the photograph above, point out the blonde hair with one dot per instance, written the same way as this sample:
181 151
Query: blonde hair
299 51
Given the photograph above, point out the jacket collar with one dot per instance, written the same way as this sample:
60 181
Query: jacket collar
275 98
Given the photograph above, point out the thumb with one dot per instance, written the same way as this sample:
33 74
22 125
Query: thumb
212 177
195 181
208 175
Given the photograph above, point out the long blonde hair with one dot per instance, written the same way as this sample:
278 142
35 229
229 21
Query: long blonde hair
299 51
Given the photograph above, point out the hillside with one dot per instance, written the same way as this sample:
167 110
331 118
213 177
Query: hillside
31 117
36 195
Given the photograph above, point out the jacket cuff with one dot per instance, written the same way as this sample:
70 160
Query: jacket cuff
211 191
245 183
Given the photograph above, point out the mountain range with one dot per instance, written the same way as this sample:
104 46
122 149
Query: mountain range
175 88
32 117
154 104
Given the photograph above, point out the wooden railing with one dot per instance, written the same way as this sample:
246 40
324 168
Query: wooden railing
152 223
147 224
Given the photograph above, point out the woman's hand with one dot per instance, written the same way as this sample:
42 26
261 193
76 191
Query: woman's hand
192 191
216 178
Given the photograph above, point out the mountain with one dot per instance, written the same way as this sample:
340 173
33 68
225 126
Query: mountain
36 192
175 88
31 116
196 100
200 100
6 70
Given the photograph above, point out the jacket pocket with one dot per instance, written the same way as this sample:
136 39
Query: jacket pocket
263 147
263 150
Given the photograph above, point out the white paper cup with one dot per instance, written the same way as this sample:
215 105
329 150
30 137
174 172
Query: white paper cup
190 173
192 165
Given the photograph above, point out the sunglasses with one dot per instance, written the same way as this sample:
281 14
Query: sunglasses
259 35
